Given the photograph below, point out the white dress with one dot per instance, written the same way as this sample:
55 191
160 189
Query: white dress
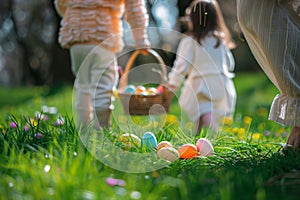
272 30
205 70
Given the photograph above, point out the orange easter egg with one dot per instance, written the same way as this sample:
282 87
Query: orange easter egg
140 89
187 151
163 144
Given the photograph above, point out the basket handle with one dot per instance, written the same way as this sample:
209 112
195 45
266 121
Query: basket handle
124 78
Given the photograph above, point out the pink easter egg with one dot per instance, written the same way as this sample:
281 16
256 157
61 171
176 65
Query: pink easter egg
204 147
160 89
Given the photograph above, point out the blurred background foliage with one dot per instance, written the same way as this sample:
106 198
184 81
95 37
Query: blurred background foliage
30 54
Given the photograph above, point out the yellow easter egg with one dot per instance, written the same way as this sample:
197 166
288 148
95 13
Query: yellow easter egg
152 91
129 140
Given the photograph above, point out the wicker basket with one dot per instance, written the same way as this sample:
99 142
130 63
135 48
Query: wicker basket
136 104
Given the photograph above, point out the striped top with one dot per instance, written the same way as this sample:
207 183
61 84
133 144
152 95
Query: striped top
99 21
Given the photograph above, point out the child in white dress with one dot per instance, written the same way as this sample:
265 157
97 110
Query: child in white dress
204 62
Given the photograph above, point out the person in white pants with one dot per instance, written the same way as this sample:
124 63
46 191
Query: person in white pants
272 30
92 30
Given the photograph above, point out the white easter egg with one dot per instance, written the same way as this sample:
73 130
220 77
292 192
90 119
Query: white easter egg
145 93
205 147
163 144
168 153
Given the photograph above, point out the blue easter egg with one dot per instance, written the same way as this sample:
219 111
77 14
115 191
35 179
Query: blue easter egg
149 140
129 89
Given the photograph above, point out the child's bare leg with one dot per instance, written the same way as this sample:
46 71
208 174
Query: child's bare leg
207 120
294 138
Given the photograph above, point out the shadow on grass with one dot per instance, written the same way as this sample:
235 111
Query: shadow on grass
15 96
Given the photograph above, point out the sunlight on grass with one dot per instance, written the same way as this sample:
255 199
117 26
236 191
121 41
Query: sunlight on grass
43 156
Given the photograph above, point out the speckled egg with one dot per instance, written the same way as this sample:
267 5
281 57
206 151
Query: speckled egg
140 89
130 140
168 153
130 89
205 147
188 151
149 140
163 144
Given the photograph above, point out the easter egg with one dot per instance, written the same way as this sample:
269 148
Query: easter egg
205 147
149 140
130 89
160 89
140 89
188 151
152 91
168 153
145 93
163 144
130 140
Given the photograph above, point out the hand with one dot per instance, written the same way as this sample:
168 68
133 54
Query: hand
172 87
143 51
294 138
143 47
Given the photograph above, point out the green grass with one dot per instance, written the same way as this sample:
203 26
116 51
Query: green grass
247 164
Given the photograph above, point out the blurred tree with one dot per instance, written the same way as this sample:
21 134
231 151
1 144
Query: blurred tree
29 52
244 59
31 55
8 50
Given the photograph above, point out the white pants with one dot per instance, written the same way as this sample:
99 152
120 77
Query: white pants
96 74
272 30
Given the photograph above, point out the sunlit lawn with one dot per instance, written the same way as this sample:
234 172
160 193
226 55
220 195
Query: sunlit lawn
44 158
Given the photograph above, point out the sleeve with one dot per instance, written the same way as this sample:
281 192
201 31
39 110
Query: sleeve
60 6
137 17
230 60
182 63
